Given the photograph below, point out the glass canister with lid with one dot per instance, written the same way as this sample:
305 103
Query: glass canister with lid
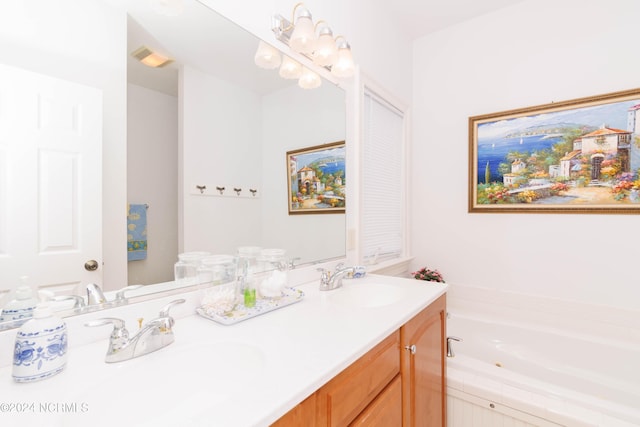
186 269
217 269
274 273
220 272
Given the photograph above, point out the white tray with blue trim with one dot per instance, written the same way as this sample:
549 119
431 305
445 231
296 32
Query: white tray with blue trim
239 312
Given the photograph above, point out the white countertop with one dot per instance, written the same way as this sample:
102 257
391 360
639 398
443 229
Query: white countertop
247 374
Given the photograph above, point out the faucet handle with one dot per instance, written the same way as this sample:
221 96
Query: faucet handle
120 293
78 301
324 274
165 310
292 262
119 335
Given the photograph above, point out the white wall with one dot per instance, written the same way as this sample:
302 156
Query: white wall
532 53
152 178
295 118
220 130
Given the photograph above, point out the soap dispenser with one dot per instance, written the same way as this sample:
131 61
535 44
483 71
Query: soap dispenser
41 346
22 306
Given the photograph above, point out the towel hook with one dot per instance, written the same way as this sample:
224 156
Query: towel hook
253 191
220 190
201 188
237 190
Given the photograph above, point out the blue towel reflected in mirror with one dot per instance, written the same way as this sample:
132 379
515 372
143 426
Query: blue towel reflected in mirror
137 232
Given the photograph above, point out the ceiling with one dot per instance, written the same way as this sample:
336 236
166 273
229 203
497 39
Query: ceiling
200 37
422 17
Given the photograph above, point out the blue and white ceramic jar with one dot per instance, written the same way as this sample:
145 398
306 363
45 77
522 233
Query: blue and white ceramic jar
41 346
22 306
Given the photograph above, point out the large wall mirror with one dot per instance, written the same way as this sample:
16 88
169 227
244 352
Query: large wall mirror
209 118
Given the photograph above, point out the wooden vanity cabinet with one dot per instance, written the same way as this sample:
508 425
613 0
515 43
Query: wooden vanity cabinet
423 341
304 414
391 385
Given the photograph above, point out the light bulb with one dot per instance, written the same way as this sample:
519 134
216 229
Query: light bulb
267 56
290 69
344 66
303 38
326 52
309 79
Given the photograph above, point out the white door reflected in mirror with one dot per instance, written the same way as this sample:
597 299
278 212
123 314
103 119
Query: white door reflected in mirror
50 145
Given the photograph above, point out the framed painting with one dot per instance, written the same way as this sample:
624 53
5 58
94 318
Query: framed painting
316 179
577 156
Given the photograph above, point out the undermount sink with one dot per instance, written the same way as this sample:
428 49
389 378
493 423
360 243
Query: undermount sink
174 382
366 295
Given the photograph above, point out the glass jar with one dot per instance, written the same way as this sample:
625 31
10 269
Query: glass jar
185 271
274 272
217 269
220 272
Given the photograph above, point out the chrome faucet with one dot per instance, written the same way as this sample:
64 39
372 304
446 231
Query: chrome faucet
330 281
156 334
95 295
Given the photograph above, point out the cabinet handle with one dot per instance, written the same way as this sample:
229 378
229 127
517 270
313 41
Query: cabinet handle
411 348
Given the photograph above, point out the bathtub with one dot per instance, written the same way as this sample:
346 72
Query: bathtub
503 374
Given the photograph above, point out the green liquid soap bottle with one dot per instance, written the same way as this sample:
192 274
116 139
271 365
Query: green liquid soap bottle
249 292
249 296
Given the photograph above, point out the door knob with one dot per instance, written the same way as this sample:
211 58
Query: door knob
91 265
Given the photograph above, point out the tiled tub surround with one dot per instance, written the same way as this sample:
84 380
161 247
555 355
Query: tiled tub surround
530 361
247 374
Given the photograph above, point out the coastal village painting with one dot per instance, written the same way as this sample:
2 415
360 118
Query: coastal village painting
317 179
580 156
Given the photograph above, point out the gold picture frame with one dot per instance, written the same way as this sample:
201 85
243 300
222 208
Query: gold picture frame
316 179
576 156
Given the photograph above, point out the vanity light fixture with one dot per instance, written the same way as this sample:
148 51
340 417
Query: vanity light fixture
323 49
150 58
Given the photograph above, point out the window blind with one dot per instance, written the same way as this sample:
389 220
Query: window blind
382 151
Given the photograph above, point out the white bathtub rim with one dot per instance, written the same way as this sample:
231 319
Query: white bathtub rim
631 345
527 394
616 324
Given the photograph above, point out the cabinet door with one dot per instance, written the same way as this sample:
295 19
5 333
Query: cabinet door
423 341
343 398
385 410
